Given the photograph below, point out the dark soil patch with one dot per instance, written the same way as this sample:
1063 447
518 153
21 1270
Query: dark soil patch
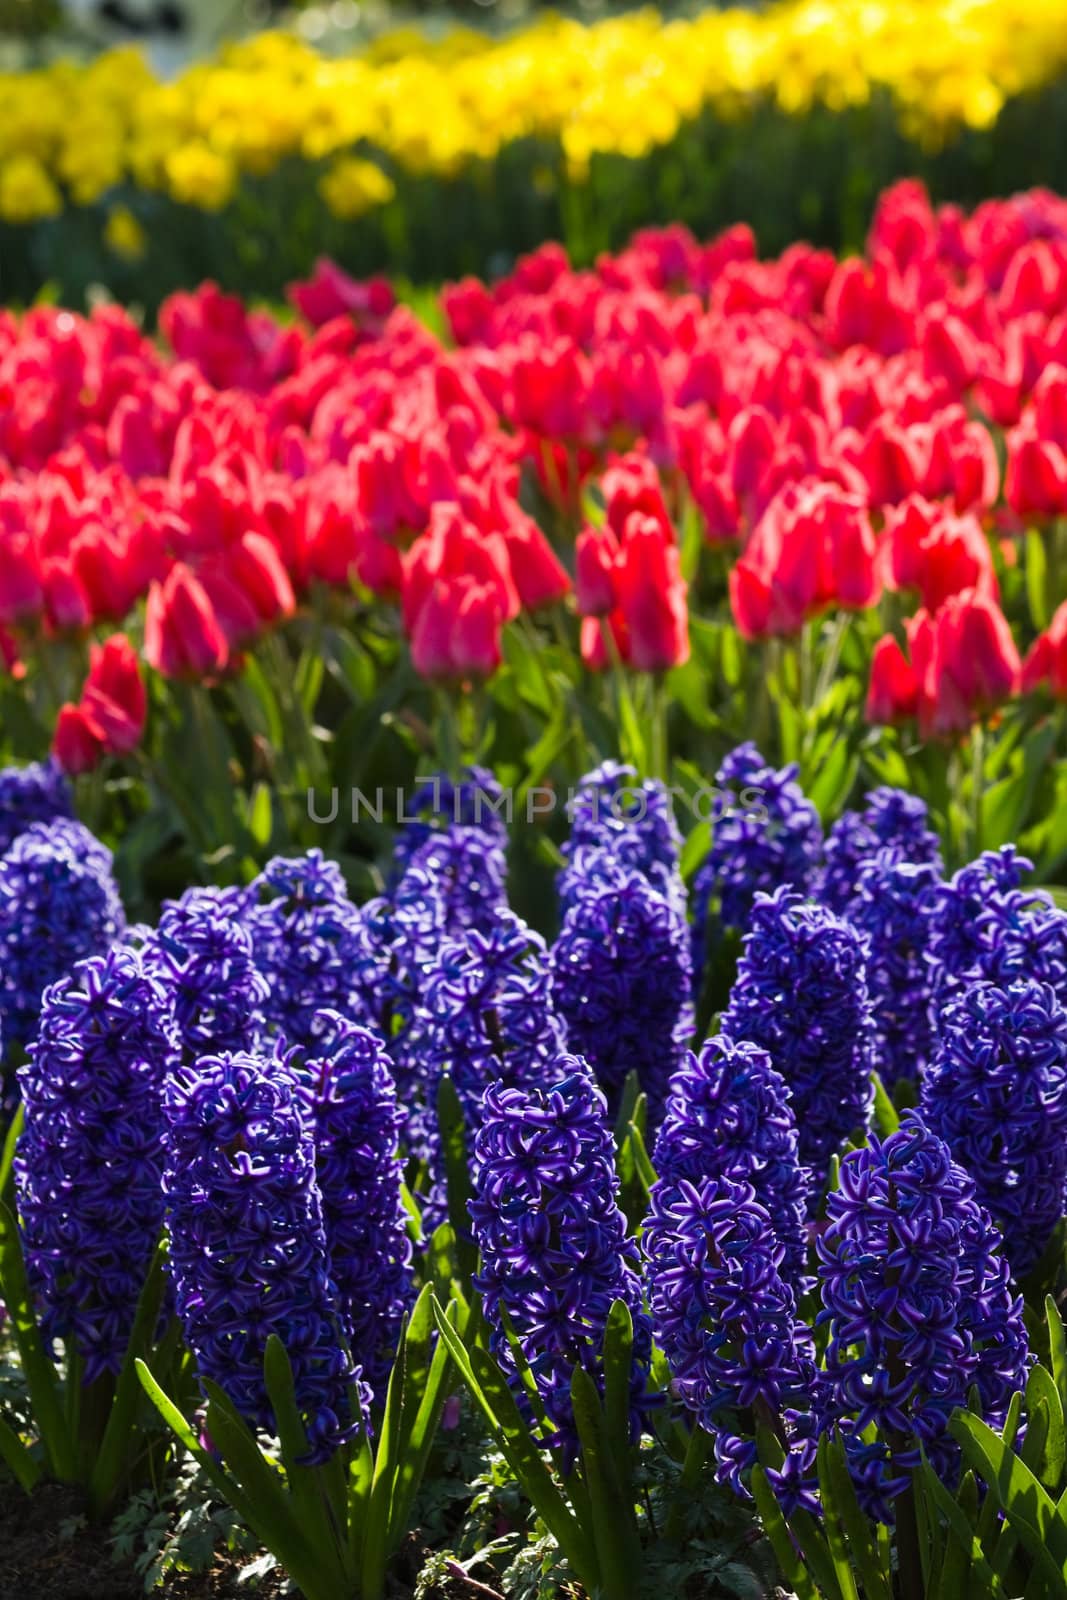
49 1552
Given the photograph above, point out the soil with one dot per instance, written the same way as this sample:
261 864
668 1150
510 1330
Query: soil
49 1552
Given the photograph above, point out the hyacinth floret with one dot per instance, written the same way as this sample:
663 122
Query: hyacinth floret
996 1092
988 926
894 907
89 1160
614 817
621 980
58 905
345 1078
38 792
248 1254
303 927
463 873
891 820
202 952
916 1310
553 1243
727 1321
729 1116
801 995
766 835
440 803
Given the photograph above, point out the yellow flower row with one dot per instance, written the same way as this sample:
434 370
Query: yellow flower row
71 132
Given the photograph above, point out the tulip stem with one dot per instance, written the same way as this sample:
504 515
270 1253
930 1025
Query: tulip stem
977 786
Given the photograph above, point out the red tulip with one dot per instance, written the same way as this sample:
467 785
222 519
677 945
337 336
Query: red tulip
457 631
182 635
893 692
1035 483
75 743
66 603
1047 660
21 594
113 701
928 549
539 575
652 597
812 548
330 293
596 555
454 548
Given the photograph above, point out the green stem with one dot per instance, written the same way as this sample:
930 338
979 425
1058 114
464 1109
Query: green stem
700 1442
660 757
977 786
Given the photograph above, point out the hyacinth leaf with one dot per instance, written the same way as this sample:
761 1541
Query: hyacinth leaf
955 1568
512 1435
834 1531
305 1484
886 1116
40 1373
1022 1500
786 1554
961 1530
841 1507
631 1094
614 1530
19 1459
457 1172
175 1420
375 1521
427 1388
7 1152
525 1373
1057 1349
618 1372
112 1458
272 1512
1041 1390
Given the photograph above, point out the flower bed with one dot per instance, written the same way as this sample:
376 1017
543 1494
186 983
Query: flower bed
454 1217
437 156
686 497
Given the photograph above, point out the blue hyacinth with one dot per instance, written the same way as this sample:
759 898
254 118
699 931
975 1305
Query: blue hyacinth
996 1092
248 1253
729 1116
201 951
38 792
58 905
304 933
440 804
486 1014
615 818
766 835
891 820
917 1310
987 925
894 907
621 979
726 1319
89 1161
801 995
553 1243
351 1099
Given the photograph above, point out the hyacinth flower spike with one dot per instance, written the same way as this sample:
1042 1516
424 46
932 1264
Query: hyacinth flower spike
286 1437
82 1266
567 1368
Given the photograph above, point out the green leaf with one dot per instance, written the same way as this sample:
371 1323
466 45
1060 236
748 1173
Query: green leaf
1057 1348
961 1530
1022 1499
1036 580
493 1397
792 1566
7 1155
41 1377
840 1503
1041 1392
886 1116
305 1484
457 1173
423 1404
19 1459
611 1497
836 1543
113 1455
618 1376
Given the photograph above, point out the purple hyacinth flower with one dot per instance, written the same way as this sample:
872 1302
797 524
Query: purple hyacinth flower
917 1310
987 925
621 979
304 932
729 1115
248 1254
89 1160
801 995
894 907
58 905
201 951
996 1092
553 1242
344 1075
38 792
891 820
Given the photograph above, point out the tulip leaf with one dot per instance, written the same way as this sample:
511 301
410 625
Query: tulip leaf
1037 580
